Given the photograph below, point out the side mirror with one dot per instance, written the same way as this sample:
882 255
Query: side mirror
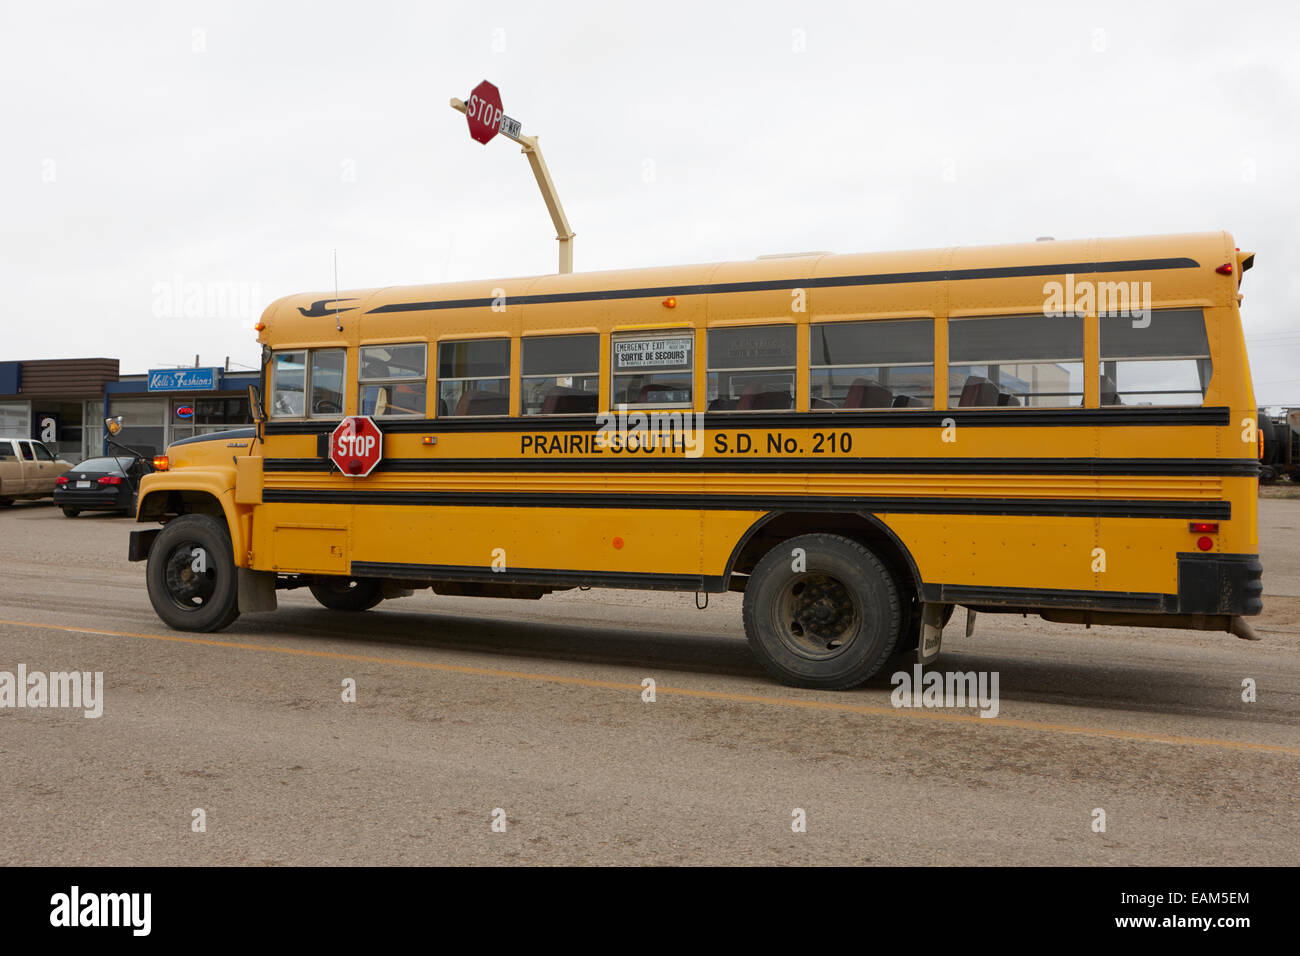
255 405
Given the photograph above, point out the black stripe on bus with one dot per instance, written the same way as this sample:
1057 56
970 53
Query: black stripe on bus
940 593
1048 507
809 282
542 576
231 434
895 418
662 464
963 594
967 595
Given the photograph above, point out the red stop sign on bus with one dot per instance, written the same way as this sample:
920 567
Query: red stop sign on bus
483 109
356 446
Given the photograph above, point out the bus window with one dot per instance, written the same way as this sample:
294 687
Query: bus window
474 377
327 381
1031 360
288 384
392 379
654 368
879 364
1164 362
751 368
560 374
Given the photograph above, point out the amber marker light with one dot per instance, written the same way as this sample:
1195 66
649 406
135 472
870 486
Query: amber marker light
161 463
670 302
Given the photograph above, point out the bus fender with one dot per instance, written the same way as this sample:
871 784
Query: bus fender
199 492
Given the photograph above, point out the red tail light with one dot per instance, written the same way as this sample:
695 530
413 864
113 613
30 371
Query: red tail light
1205 527
110 480
61 480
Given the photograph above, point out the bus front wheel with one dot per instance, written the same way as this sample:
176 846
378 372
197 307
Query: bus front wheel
821 611
191 574
347 594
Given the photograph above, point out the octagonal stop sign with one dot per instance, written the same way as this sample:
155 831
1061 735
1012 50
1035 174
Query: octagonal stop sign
483 110
356 446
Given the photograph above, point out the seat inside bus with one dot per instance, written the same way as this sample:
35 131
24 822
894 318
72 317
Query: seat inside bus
568 401
755 398
653 394
473 402
977 391
1109 391
868 393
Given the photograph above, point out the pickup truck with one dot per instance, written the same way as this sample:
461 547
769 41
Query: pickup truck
27 470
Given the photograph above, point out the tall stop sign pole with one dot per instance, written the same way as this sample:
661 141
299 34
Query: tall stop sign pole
486 119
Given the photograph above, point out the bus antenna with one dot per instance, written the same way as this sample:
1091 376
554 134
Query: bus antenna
337 322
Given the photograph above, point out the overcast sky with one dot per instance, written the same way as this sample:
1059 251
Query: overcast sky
232 146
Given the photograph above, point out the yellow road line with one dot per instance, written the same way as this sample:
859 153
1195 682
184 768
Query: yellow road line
830 706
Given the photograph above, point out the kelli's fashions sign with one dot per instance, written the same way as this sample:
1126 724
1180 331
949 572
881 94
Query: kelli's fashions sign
183 379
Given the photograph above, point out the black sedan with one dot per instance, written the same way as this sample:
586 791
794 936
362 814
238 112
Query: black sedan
101 484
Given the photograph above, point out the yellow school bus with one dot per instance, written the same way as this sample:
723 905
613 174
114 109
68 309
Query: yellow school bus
857 442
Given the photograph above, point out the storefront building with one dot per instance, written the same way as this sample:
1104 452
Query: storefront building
63 403
58 402
167 405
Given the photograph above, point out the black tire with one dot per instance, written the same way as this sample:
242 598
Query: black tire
347 594
830 626
6 502
71 512
186 599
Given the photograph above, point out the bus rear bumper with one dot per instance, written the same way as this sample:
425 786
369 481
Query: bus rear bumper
1230 584
1216 592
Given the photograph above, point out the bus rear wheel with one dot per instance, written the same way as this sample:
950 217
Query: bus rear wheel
191 574
347 594
821 611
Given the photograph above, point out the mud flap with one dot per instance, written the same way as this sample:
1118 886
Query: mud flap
141 543
256 590
931 633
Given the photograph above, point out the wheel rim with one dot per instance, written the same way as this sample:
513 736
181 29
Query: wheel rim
818 616
188 589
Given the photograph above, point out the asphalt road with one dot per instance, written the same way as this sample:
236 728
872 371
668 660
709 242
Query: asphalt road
465 706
